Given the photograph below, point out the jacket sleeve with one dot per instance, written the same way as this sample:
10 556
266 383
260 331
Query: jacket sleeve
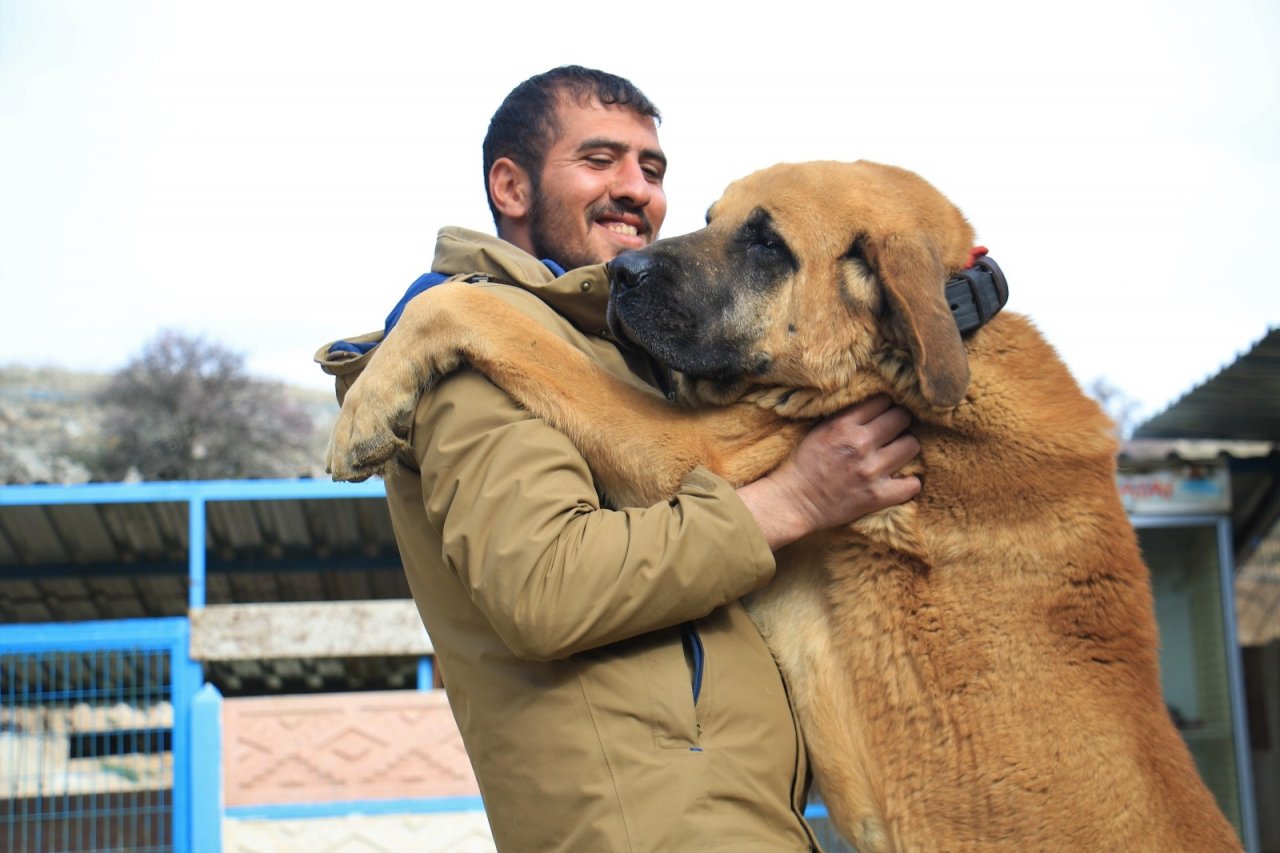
344 366
522 527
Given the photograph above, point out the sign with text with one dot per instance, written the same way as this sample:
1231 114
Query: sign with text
1182 490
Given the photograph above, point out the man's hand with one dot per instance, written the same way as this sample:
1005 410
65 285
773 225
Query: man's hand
844 469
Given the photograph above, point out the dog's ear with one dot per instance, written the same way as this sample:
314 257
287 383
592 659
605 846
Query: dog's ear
914 280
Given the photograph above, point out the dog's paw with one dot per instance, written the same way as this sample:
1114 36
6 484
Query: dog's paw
364 441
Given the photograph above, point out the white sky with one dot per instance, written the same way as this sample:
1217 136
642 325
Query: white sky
271 173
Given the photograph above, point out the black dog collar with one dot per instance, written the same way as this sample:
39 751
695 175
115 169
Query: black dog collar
977 294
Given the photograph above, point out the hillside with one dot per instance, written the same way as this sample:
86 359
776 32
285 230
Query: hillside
51 426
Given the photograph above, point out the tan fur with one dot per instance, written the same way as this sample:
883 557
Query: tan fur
974 670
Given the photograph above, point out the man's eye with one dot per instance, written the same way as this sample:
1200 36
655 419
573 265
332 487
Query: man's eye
601 161
653 174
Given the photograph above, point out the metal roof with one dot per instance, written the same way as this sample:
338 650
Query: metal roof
1242 402
112 551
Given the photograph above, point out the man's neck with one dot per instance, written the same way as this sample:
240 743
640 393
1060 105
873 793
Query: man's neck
518 235
520 238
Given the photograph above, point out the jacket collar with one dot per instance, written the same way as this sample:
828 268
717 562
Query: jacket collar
582 295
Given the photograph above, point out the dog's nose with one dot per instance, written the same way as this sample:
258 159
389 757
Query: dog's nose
629 270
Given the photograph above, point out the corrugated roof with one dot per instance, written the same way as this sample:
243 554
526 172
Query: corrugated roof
1242 402
114 551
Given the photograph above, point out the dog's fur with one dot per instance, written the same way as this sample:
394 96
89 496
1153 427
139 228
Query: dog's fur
973 670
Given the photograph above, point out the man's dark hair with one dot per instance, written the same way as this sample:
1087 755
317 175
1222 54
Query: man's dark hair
524 127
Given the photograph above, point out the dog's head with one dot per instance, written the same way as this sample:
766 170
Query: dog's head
810 275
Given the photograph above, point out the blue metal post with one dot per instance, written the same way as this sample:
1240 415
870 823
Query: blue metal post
207 804
196 552
185 679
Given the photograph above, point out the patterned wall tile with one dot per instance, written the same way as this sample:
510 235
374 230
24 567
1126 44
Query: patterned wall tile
342 746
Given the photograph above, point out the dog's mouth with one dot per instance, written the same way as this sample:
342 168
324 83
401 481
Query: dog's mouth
627 273
648 338
617 328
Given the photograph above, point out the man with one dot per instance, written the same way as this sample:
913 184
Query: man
611 691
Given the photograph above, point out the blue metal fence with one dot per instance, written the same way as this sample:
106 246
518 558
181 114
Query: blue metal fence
95 736
98 720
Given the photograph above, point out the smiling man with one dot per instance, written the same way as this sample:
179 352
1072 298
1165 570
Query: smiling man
611 691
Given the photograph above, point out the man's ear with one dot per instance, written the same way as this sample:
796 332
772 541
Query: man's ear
510 188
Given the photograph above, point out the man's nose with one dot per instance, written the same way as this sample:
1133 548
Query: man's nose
631 184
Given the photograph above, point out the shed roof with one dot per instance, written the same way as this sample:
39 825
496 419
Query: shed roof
1241 403
112 551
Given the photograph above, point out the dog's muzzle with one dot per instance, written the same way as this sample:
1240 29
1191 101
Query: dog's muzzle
629 271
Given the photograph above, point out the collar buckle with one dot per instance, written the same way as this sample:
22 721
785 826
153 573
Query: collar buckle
976 294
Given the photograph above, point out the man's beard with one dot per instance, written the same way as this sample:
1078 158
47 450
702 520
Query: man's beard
548 227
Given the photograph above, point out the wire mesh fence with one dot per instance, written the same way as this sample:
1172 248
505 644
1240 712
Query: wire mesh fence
86 760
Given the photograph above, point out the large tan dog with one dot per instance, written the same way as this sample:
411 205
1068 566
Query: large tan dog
974 670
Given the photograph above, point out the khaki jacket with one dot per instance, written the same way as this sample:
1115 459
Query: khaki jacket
557 622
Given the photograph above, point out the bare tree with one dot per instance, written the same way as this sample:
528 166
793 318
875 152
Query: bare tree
1123 409
185 409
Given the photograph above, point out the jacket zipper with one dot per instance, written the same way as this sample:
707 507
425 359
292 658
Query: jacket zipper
693 648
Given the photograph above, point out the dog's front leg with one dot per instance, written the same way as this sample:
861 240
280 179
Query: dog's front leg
639 446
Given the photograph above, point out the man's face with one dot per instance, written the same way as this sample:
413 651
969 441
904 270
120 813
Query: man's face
600 191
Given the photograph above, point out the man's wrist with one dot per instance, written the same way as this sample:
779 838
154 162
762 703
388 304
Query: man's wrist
773 513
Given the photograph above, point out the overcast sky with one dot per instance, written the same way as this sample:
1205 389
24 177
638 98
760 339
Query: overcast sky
271 173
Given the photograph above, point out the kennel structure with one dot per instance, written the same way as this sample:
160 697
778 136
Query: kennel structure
212 666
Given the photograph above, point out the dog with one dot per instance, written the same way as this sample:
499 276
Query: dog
973 670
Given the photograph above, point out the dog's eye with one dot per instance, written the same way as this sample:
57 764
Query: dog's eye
758 240
766 248
768 243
